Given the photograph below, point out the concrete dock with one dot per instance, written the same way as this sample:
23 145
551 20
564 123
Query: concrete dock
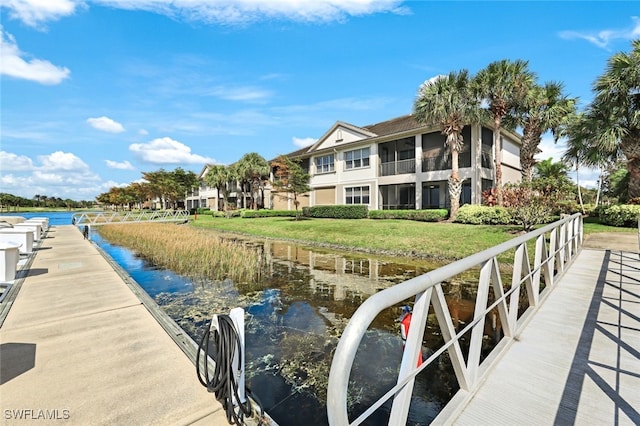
78 347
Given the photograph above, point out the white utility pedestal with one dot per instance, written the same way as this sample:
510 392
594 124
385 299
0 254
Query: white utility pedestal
9 256
24 237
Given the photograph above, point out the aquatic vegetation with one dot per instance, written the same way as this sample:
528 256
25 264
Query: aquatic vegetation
188 251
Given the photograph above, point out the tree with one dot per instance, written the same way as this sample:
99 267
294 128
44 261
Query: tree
183 182
253 169
449 102
502 85
170 187
141 192
548 169
615 113
290 178
544 108
218 177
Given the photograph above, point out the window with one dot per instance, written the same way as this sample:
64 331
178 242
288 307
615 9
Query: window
357 195
357 158
324 164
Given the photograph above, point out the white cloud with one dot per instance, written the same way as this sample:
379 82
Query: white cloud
124 165
225 12
35 12
242 12
59 174
550 149
13 64
143 132
105 124
167 151
13 162
302 142
246 94
588 176
62 161
604 37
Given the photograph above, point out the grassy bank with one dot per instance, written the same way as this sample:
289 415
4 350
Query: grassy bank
430 240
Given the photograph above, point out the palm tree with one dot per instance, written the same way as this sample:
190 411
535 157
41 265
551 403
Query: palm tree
218 177
502 85
253 169
548 169
544 108
448 102
581 132
615 112
37 198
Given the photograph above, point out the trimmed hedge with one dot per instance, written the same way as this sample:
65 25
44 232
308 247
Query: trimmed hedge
483 215
337 212
430 215
251 214
620 215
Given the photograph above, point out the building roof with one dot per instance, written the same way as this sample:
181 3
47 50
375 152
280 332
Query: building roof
393 126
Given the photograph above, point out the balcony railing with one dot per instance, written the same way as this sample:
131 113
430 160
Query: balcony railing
398 167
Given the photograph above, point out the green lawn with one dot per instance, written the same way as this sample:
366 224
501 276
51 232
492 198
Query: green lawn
394 237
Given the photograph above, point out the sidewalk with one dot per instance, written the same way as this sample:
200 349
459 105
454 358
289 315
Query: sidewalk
78 347
622 241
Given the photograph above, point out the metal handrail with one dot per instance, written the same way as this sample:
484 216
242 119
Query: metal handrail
106 218
565 241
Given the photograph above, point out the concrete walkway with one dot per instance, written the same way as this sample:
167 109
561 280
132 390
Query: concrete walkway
622 241
78 347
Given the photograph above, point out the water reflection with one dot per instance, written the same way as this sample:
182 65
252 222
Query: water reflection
294 316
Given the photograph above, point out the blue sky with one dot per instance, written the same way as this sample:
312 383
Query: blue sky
95 92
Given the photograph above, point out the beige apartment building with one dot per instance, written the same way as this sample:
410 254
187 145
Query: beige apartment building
395 164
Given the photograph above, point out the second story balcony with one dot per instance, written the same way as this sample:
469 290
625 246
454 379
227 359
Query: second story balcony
398 167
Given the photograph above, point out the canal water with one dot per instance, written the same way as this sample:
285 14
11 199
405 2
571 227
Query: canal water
294 316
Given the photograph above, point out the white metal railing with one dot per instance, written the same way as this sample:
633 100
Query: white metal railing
106 218
398 167
549 261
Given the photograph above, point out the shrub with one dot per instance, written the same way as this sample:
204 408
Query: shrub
250 214
337 212
431 215
483 215
620 215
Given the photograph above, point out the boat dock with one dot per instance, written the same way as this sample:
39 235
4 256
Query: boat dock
79 347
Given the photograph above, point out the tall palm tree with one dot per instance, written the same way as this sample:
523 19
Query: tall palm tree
253 169
502 85
616 110
448 102
544 108
218 177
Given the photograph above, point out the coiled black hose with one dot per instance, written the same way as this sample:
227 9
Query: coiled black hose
222 383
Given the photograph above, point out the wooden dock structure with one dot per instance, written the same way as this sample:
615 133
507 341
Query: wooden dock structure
578 361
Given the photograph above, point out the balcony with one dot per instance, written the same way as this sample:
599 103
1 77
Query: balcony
443 162
398 167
